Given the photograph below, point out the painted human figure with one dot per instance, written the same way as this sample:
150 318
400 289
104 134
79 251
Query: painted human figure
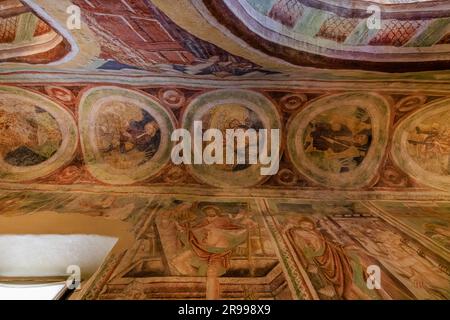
220 67
144 138
233 117
208 243
329 260
338 142
212 240
424 278
435 143
132 135
28 137
343 142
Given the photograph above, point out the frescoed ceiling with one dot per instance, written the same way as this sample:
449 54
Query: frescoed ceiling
138 35
310 33
24 37
87 115
149 37
332 34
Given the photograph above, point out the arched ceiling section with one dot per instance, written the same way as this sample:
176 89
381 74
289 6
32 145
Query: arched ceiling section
27 38
140 39
136 35
336 34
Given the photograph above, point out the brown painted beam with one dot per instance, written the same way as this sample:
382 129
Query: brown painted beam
8 13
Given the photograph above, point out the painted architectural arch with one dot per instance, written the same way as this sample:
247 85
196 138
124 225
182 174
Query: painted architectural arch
26 37
37 135
231 109
340 140
336 34
125 135
421 145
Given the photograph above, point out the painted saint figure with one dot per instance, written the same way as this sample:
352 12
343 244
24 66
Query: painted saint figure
326 260
207 239
144 138
420 273
233 117
433 146
135 134
339 144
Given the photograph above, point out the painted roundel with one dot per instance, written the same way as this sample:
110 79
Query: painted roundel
340 140
125 135
421 145
37 136
231 109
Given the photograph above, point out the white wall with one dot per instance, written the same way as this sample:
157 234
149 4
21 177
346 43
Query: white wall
49 255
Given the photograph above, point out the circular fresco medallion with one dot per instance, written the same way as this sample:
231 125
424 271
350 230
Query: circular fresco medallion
340 140
231 109
125 135
37 136
421 145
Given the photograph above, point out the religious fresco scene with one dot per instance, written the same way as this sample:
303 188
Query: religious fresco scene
334 243
94 95
347 140
196 249
30 135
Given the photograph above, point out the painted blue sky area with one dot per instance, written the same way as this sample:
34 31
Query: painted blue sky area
114 65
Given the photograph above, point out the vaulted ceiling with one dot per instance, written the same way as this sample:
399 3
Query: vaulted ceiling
24 37
86 116
341 34
238 37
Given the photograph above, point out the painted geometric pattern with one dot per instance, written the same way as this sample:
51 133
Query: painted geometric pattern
445 39
287 12
136 33
8 29
337 28
42 28
396 32
143 39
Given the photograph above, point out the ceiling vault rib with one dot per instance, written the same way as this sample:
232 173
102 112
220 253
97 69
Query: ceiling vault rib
7 13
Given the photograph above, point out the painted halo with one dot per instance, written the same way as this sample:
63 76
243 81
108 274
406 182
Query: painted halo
227 109
125 135
37 136
421 145
340 140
